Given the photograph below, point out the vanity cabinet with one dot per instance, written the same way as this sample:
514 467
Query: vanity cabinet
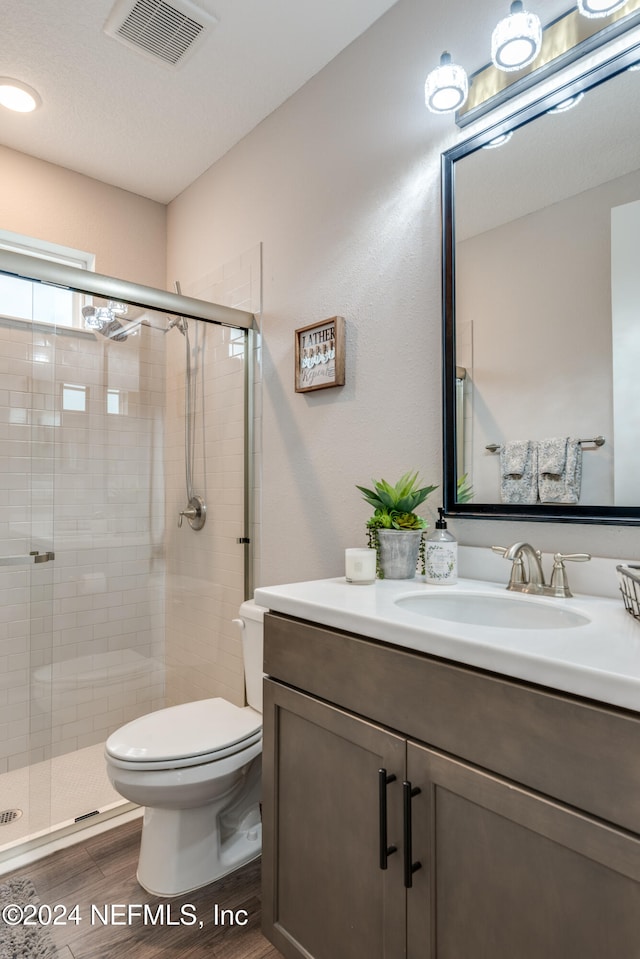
508 815
329 896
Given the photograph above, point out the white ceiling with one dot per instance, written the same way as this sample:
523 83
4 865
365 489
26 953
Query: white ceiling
556 157
114 114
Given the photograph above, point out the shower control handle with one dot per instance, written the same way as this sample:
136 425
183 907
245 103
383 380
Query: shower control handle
196 513
189 512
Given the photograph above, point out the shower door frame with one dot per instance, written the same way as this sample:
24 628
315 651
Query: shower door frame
82 281
38 270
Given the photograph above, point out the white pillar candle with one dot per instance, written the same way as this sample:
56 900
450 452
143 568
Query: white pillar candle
360 565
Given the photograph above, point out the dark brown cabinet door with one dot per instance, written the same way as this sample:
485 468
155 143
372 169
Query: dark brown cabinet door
508 874
324 893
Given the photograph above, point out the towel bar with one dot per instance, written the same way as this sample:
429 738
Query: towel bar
596 441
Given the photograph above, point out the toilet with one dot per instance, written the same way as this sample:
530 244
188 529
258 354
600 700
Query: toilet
196 770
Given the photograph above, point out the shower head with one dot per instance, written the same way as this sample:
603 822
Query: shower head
107 321
116 331
119 331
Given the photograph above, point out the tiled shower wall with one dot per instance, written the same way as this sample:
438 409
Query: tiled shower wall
81 473
205 568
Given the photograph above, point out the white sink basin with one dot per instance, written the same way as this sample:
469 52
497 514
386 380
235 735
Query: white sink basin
507 612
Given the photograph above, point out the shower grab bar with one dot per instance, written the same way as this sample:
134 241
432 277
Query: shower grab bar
35 557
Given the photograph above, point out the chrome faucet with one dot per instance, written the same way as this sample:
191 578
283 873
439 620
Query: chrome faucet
532 579
534 563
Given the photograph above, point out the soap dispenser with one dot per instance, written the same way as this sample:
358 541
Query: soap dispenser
441 555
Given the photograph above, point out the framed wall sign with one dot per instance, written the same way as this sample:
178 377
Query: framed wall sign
320 355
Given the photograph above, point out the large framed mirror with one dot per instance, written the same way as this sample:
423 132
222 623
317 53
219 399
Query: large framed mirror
541 308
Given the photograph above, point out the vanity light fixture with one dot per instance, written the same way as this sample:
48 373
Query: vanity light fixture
523 54
516 40
17 96
599 8
446 87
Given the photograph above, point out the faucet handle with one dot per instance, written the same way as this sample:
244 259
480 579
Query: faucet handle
574 557
559 583
517 577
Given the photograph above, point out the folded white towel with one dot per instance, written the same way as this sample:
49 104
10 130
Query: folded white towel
560 470
519 471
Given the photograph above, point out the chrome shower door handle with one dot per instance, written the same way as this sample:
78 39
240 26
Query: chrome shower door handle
34 557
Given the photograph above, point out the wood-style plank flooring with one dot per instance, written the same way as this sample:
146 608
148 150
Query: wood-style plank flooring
101 871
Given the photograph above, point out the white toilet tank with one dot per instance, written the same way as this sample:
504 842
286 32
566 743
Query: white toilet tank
251 623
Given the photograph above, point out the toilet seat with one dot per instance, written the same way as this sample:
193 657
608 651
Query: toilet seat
187 735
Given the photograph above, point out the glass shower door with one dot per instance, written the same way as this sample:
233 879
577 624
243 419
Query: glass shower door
27 425
112 610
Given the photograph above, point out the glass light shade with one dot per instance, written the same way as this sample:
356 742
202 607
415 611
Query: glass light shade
517 39
498 141
567 104
17 96
599 8
96 319
447 87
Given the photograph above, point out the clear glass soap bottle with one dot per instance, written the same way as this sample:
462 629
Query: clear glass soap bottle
441 555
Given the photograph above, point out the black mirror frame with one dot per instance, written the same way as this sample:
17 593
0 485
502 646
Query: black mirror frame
613 515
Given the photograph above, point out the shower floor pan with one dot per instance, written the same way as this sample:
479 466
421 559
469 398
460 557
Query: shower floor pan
53 794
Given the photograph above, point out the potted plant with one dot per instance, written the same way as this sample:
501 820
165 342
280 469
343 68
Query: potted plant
395 531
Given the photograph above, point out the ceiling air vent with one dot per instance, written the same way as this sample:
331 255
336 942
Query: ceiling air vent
164 31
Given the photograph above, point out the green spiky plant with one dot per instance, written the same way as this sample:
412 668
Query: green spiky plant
464 492
394 508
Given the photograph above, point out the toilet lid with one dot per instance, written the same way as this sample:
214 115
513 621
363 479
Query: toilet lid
182 732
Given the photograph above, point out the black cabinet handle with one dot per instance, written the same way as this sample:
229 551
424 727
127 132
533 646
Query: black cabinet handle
383 782
408 792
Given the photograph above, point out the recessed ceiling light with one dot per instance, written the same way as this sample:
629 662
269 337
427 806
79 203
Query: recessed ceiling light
17 96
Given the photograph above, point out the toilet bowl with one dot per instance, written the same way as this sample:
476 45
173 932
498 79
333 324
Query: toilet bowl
196 770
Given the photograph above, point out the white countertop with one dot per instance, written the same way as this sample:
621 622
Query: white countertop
599 660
